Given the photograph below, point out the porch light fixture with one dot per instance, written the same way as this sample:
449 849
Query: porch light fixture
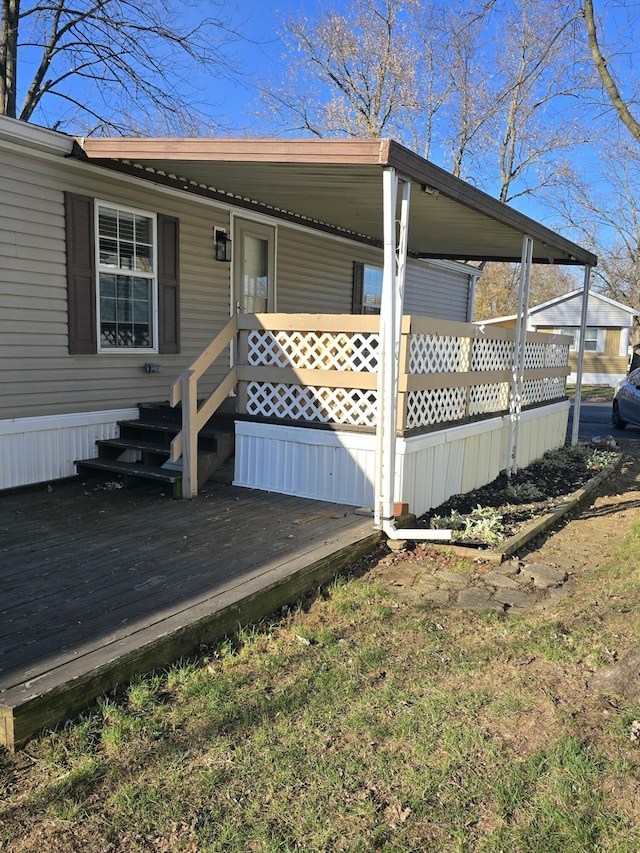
222 244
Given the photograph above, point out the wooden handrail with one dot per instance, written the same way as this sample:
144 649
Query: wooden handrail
185 390
206 358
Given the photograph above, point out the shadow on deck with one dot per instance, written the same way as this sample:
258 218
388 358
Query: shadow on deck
100 585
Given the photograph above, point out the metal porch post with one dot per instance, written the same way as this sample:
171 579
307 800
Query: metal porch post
517 382
583 325
387 372
392 300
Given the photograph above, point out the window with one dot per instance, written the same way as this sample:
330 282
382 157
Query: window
367 289
372 290
123 286
593 338
126 278
569 332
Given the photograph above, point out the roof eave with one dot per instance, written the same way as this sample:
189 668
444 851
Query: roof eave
429 175
367 152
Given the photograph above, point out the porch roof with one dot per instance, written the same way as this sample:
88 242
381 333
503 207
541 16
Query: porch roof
335 184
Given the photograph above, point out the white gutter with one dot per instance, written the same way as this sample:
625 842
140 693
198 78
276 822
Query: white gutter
517 383
391 307
583 325
41 138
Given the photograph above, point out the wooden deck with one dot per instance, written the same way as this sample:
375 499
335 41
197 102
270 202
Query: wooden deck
98 585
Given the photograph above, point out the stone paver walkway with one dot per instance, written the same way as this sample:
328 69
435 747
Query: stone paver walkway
513 587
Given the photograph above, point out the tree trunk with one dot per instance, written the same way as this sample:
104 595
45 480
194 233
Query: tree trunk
8 57
607 80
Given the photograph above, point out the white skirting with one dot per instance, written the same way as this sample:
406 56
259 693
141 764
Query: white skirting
339 466
610 379
310 463
36 450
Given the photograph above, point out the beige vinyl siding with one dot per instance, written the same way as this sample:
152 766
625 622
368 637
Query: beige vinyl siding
315 275
315 272
433 291
37 374
608 362
599 363
612 342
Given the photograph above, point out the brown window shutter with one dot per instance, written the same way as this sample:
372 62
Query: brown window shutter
81 280
168 284
358 288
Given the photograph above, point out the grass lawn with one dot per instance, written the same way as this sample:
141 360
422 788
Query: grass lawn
361 721
592 393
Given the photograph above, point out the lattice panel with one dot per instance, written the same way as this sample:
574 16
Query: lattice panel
492 355
533 392
555 387
534 355
543 390
438 354
556 355
314 350
324 405
435 407
489 398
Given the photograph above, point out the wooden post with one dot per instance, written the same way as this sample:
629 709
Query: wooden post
242 357
403 373
189 434
469 366
575 431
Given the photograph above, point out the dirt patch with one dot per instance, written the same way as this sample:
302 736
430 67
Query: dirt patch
579 543
502 508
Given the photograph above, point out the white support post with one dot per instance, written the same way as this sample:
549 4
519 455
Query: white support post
392 300
517 382
583 325
387 398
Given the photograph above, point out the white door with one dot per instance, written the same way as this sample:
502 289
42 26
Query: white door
254 267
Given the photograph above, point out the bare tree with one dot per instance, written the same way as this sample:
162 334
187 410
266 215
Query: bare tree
352 74
604 214
611 87
485 87
468 105
101 60
539 84
497 289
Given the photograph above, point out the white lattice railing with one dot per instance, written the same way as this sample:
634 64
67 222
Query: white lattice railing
323 369
458 370
312 368
317 369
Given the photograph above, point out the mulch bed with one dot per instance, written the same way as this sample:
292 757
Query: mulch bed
529 494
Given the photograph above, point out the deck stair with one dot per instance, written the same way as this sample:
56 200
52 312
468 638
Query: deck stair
142 449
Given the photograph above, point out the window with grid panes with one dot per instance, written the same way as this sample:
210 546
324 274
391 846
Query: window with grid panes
127 282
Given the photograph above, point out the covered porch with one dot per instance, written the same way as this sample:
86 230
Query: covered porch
394 396
306 400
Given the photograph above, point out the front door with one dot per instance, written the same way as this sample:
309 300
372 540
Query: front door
254 267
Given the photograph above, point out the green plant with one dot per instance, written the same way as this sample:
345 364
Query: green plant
483 525
526 491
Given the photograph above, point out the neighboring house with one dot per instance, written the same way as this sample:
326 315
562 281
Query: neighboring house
120 260
607 339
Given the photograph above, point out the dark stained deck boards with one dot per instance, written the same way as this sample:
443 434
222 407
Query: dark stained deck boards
90 576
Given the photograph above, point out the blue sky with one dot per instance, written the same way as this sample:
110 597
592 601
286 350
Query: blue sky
258 21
